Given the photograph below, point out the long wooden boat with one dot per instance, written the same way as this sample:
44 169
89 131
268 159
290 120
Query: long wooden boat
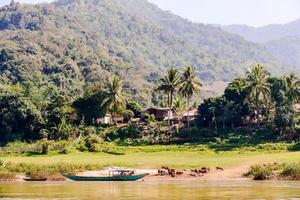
108 178
35 179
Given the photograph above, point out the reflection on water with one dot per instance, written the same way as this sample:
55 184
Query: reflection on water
152 190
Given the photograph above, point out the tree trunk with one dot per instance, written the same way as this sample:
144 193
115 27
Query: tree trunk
170 107
169 102
113 115
215 121
258 120
188 112
257 112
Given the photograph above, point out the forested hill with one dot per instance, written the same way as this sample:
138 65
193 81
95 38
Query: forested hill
75 42
217 54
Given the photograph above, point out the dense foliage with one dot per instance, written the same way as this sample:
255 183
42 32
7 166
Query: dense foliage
255 100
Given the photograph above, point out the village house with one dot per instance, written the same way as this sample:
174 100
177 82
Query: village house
192 114
107 119
160 114
104 120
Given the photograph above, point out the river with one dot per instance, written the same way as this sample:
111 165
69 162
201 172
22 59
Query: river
153 190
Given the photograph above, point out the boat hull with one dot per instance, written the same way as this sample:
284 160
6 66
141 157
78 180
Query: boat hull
113 178
35 179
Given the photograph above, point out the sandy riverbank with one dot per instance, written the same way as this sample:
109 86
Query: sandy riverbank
230 173
234 173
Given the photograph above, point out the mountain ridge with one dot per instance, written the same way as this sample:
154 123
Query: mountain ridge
281 40
265 33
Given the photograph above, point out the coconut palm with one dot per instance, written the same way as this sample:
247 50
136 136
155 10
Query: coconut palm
189 85
257 87
292 83
115 97
179 105
168 84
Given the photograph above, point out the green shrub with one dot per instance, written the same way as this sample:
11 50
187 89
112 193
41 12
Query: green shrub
21 147
36 172
44 133
297 121
110 149
90 130
148 119
134 107
65 150
95 144
44 144
128 115
272 146
264 134
91 142
131 131
291 170
16 144
80 144
259 172
196 134
62 147
295 147
62 131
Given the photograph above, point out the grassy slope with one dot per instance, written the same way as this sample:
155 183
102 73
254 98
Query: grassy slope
176 159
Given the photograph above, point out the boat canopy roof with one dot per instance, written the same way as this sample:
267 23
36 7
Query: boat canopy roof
121 170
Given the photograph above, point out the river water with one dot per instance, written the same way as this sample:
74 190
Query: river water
153 190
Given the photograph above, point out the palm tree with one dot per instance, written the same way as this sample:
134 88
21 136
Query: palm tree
179 105
168 84
292 83
115 97
257 87
189 86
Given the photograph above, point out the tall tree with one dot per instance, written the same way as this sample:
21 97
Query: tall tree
258 88
189 85
285 92
89 106
115 97
169 84
292 88
20 119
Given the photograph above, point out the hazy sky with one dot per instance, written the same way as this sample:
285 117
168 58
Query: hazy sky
250 12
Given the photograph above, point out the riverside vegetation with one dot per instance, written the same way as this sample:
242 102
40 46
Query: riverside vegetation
56 125
284 171
257 108
53 93
17 159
